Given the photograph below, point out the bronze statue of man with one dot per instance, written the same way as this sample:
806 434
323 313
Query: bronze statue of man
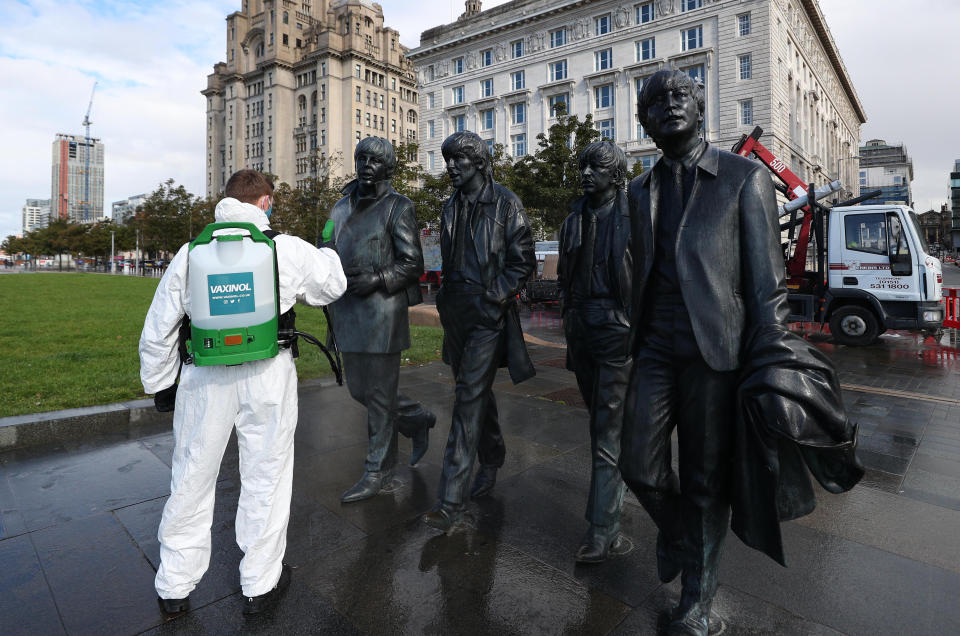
487 252
712 352
375 232
596 273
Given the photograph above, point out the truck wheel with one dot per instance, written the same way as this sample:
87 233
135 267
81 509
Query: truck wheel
854 326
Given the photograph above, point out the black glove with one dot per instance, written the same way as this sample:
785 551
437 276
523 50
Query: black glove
166 399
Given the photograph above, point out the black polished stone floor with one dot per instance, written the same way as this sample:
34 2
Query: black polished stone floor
78 547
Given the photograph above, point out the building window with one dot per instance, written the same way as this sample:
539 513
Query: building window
358 95
516 48
746 112
743 24
431 160
691 38
647 161
368 120
602 24
557 71
603 96
518 113
558 37
286 40
645 13
690 5
519 144
607 131
358 115
696 73
517 81
431 102
459 123
642 132
603 59
486 119
646 49
746 66
357 71
556 100
458 94
863 178
486 57
486 87
431 131
457 65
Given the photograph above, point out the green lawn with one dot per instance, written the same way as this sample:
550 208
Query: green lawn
70 340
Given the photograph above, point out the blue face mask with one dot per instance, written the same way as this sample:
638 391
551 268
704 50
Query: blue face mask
269 211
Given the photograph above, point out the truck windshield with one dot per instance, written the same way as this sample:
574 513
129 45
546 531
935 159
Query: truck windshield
921 237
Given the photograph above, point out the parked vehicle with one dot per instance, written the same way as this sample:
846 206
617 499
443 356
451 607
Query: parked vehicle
870 268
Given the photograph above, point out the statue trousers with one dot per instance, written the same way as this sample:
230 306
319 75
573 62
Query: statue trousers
372 379
670 392
597 334
474 343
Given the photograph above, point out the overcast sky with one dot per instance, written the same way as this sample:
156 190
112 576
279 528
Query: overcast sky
151 59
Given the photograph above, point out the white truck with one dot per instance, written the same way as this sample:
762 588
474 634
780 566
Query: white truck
881 274
871 269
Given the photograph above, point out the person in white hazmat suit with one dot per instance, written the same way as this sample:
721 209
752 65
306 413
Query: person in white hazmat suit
259 398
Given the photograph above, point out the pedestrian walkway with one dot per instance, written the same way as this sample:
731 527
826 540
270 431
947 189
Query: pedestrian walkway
78 523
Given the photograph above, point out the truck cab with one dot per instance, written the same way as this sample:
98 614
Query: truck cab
882 275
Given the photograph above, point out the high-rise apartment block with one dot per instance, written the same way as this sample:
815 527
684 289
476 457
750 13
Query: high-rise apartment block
772 63
303 82
76 190
122 210
36 214
955 206
888 169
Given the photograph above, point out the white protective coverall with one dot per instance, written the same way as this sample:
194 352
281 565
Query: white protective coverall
258 398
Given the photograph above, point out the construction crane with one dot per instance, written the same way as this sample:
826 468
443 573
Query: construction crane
86 176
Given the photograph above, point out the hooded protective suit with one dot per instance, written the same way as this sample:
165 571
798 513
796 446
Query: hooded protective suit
258 398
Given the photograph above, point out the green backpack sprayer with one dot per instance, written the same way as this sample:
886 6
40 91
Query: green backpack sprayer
235 300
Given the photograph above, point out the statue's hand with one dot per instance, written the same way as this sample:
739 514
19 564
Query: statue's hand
363 283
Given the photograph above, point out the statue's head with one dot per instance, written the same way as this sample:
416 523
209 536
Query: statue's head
670 105
375 160
603 167
466 155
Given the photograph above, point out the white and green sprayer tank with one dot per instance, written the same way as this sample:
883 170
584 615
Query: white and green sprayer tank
235 304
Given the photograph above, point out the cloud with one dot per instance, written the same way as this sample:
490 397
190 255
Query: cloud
150 60
905 77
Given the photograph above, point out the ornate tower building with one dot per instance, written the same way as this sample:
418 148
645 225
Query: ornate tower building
302 83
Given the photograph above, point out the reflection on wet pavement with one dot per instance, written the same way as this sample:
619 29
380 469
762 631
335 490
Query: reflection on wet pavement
78 522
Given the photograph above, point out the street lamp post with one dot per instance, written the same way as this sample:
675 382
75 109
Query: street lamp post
113 263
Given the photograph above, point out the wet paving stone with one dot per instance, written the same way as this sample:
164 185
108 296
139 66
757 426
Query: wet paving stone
26 603
99 579
880 480
300 611
847 586
741 615
57 488
11 521
414 580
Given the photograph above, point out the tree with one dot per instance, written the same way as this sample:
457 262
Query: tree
549 180
427 192
165 218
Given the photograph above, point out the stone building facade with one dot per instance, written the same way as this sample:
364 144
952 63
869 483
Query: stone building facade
302 83
768 63
35 214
